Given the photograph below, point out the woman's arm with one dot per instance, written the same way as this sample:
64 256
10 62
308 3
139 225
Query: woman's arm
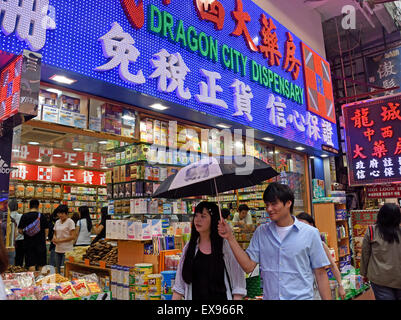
77 229
179 284
177 296
336 272
98 229
68 239
235 272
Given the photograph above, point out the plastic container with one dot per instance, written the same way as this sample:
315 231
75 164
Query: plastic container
168 279
142 270
167 297
155 284
155 297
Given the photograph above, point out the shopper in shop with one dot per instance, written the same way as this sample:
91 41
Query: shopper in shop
64 236
34 226
3 267
75 217
381 254
288 251
100 229
242 217
208 269
307 218
84 227
52 247
19 238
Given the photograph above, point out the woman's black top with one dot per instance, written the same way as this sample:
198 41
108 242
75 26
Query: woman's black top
203 285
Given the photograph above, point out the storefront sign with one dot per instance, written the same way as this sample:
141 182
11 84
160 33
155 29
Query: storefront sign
385 70
360 221
373 137
380 192
58 175
225 58
58 156
10 83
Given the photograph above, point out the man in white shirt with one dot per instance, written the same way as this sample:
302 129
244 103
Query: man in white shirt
242 217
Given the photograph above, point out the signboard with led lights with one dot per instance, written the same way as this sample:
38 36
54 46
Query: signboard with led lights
373 140
225 58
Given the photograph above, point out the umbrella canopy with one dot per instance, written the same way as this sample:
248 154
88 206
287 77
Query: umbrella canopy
211 176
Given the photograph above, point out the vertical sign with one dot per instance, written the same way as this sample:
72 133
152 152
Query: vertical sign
373 138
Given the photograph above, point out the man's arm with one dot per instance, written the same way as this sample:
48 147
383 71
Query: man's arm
240 255
323 283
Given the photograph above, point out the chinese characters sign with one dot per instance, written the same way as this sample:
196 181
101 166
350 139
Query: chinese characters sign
10 83
373 135
214 57
385 70
31 172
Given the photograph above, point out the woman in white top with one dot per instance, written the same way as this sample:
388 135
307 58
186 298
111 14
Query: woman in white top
3 267
84 227
64 235
208 269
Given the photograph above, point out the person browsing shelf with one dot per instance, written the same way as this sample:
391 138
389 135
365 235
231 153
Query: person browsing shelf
84 227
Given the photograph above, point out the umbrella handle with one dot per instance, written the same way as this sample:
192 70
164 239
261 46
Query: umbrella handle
218 200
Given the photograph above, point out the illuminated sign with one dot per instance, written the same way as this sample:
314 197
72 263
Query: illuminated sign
10 82
373 137
229 59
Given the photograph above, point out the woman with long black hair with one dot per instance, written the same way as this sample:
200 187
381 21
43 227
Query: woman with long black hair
208 269
84 227
100 229
381 254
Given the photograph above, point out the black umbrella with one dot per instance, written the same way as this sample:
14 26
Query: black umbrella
211 176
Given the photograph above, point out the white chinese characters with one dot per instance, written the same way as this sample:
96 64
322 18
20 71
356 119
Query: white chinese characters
119 46
28 19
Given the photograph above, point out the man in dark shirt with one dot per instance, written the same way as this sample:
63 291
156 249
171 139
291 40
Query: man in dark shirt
35 246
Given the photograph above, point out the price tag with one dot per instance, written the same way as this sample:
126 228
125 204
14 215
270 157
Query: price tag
102 264
86 261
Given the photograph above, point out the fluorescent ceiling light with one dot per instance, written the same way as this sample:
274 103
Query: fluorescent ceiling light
62 79
77 149
223 126
300 148
324 155
34 143
268 139
102 142
158 106
74 164
239 144
38 160
127 117
271 152
311 157
57 155
58 92
15 150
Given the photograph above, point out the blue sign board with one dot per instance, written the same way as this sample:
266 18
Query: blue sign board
224 58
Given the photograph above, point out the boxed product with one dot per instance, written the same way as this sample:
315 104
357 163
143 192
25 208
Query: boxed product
48 191
20 190
48 98
80 120
95 117
66 118
163 133
39 191
111 118
50 114
70 103
128 123
157 132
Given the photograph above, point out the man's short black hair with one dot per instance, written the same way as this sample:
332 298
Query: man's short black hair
278 191
243 207
34 204
225 213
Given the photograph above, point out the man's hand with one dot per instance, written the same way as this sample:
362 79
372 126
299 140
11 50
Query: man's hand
341 292
224 230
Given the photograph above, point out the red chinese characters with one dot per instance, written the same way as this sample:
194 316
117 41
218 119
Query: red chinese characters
291 64
241 18
387 132
361 118
379 149
269 46
134 12
391 112
369 133
358 152
211 11
398 147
